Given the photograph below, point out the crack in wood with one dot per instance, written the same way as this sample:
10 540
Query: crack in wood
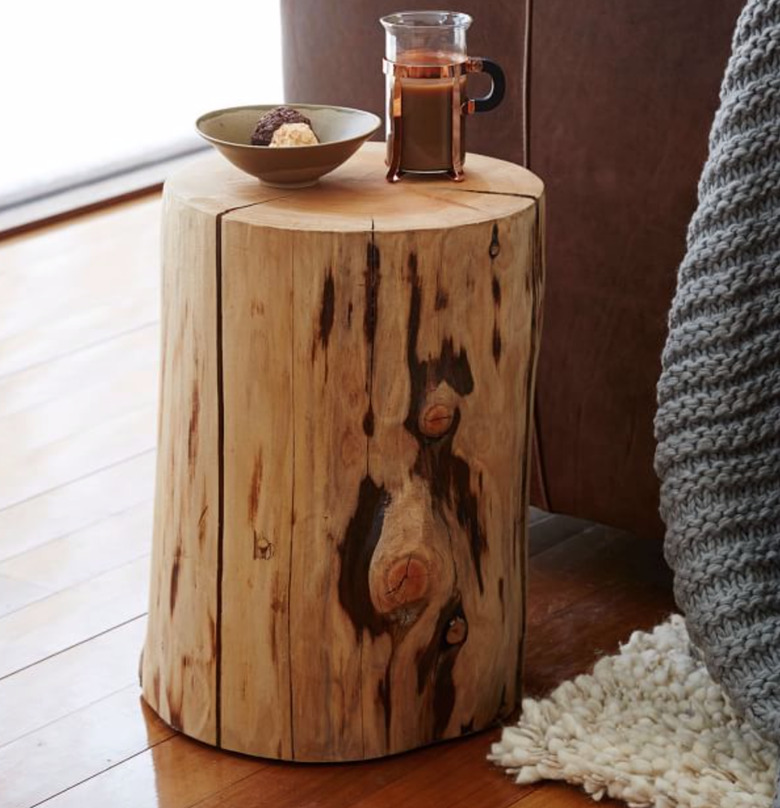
493 251
533 197
393 590
372 279
291 689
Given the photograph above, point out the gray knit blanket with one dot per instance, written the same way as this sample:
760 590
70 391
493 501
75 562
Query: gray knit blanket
718 419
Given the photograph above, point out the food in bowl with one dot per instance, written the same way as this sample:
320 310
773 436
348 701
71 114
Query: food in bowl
284 127
340 130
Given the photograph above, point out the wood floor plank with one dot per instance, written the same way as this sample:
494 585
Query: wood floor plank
566 572
60 755
103 365
604 554
112 318
177 773
15 594
62 620
571 641
76 505
457 778
450 774
76 456
554 795
70 681
549 529
585 596
85 288
70 241
589 562
81 555
91 402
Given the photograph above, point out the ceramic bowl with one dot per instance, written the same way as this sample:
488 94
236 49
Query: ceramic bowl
341 132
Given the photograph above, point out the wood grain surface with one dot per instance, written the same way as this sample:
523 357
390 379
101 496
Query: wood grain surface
179 666
346 396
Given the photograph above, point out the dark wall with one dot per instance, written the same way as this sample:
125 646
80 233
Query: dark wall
621 100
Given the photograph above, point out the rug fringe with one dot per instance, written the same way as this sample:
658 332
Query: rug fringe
648 726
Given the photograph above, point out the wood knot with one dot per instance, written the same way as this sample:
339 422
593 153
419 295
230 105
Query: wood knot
264 550
436 420
406 581
457 631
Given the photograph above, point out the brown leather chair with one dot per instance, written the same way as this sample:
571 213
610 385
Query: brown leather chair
610 103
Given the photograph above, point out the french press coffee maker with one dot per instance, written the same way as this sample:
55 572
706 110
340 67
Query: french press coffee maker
426 65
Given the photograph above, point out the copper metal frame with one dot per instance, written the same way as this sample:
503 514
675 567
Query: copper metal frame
460 106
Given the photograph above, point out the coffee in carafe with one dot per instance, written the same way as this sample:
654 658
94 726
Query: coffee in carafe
426 67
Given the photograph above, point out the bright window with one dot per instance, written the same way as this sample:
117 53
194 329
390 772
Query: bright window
89 88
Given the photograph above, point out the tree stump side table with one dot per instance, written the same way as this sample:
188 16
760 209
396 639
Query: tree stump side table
344 439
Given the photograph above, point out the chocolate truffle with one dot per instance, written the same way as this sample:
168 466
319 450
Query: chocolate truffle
272 120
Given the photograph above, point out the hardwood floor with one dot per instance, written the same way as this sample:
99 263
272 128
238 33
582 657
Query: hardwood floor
78 383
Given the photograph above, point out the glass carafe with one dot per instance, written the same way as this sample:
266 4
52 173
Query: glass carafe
426 64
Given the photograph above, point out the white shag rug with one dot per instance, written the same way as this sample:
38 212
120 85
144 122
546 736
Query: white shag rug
648 726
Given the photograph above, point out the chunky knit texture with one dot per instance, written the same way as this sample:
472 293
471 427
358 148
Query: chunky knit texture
718 420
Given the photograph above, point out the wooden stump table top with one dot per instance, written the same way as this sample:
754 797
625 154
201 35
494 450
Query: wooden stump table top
356 197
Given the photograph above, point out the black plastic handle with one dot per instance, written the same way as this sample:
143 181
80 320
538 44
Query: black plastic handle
498 89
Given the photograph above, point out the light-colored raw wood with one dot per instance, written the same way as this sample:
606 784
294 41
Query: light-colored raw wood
179 666
258 315
352 518
329 353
